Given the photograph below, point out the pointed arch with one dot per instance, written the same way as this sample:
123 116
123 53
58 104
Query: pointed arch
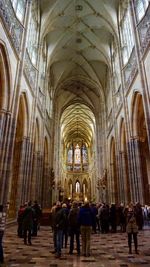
5 78
141 147
136 110
18 155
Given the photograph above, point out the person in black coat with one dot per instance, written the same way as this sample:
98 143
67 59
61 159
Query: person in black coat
27 223
58 227
74 228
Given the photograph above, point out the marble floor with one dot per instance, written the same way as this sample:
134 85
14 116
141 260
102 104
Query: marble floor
107 250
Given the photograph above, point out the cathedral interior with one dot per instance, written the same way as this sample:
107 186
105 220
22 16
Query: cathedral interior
74 116
74 101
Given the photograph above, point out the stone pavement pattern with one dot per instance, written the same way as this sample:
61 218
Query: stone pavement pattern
108 250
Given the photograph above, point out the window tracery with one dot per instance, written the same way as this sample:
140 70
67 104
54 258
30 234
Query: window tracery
127 40
77 155
19 8
33 35
77 187
141 7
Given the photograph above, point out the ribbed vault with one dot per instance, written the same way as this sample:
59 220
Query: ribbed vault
79 34
77 123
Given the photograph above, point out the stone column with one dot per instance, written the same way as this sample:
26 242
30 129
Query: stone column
45 186
136 175
122 176
24 173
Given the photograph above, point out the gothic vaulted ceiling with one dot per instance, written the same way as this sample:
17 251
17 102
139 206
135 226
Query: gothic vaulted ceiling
78 34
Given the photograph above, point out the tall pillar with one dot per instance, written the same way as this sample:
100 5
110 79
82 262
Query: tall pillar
136 175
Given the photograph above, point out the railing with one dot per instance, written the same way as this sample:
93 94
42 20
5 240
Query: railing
130 69
144 31
30 71
13 25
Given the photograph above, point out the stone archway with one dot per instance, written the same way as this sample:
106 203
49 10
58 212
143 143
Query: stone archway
5 96
141 148
18 157
5 122
114 176
124 168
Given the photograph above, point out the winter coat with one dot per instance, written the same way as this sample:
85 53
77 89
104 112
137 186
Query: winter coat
60 219
86 216
28 217
73 218
132 226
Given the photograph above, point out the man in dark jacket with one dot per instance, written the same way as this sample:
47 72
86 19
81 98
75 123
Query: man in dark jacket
86 221
37 216
74 228
27 223
59 225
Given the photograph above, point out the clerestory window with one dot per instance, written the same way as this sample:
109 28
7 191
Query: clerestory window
19 8
127 40
33 35
141 7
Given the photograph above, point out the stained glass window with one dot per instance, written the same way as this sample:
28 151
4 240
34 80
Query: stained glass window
33 34
84 154
126 36
77 159
70 154
77 187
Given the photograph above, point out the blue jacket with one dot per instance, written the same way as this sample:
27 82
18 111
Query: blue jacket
86 216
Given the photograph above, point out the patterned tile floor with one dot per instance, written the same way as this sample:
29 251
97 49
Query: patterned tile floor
108 250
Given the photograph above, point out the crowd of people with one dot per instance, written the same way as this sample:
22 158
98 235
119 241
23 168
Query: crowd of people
73 221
